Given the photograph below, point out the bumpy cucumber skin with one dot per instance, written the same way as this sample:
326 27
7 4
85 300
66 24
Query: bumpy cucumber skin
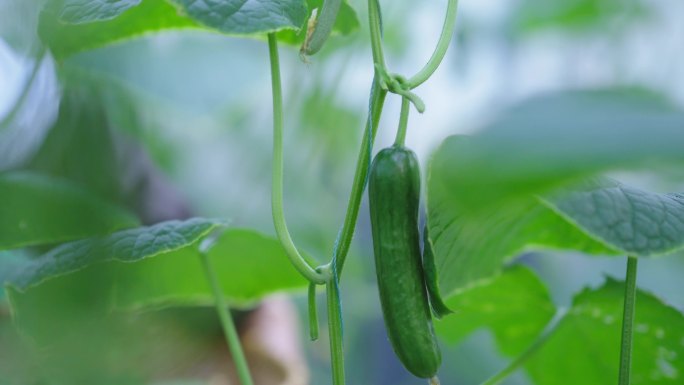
394 194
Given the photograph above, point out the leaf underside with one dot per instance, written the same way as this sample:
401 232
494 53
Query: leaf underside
521 184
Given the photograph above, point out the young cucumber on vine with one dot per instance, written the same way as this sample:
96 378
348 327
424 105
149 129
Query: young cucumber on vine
394 195
394 201
405 297
319 27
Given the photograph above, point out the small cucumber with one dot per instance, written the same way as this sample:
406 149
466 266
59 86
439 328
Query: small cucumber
319 27
394 194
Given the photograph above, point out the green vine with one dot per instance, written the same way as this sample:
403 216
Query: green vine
398 84
335 329
279 222
441 49
375 105
375 23
383 82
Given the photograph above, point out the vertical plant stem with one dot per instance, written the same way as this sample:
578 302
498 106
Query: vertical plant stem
375 105
277 188
628 321
335 330
227 323
403 122
375 22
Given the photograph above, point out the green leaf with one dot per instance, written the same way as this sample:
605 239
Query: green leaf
37 209
249 266
515 306
67 39
470 248
72 26
86 11
632 221
600 217
162 268
74 286
574 15
347 20
124 246
557 139
483 208
584 347
246 16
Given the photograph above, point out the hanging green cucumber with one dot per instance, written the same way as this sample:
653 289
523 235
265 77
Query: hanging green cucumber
394 193
319 27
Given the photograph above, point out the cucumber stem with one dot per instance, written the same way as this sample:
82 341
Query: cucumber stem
403 122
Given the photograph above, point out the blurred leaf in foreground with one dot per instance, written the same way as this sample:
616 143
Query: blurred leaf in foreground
37 209
498 193
515 306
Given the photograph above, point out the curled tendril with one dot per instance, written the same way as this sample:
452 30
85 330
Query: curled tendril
398 84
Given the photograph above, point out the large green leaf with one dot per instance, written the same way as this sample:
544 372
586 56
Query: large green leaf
37 209
555 139
149 16
632 221
515 307
124 246
159 266
584 347
86 11
246 16
71 26
470 248
574 15
483 205
603 217
249 266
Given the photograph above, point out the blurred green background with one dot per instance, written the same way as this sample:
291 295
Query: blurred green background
199 105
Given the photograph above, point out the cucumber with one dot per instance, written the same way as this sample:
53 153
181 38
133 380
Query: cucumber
394 195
